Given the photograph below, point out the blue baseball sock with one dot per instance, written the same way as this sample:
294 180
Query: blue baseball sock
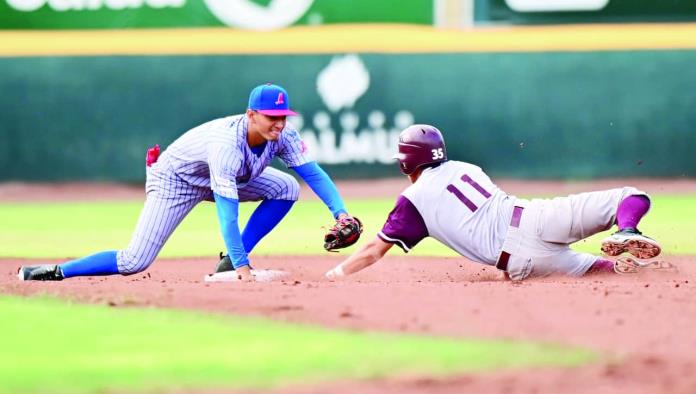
102 263
266 216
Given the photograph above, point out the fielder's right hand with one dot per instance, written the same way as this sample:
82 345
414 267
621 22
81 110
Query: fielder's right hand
244 274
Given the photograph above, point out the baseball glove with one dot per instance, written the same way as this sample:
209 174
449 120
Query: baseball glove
344 233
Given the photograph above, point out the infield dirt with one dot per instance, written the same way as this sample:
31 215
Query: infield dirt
645 324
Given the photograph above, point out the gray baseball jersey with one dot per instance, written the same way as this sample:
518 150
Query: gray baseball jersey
458 204
213 157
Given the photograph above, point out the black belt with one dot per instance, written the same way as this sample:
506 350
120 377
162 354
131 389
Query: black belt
514 222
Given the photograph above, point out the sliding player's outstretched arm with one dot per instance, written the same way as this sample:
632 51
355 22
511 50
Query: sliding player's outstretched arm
364 257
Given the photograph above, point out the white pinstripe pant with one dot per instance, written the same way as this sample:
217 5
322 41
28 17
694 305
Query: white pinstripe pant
170 199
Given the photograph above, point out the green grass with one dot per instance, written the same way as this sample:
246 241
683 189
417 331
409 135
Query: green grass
59 230
52 346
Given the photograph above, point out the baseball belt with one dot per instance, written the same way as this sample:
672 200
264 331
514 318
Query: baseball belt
502 263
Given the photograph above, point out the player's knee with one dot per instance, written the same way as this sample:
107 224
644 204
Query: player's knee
290 189
129 264
628 191
294 190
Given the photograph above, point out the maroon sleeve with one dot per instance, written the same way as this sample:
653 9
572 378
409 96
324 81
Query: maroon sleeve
405 226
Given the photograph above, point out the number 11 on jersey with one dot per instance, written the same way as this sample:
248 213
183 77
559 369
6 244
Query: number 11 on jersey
469 204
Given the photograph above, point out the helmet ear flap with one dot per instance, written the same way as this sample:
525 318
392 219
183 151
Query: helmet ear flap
403 166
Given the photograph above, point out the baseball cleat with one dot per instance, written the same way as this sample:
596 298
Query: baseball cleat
40 272
626 266
632 241
225 264
652 265
630 265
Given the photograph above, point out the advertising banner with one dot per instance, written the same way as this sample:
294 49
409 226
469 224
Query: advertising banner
583 11
243 14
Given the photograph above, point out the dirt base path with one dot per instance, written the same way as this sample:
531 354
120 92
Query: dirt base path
645 323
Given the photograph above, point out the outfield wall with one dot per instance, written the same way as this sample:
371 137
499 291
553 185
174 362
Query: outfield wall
570 114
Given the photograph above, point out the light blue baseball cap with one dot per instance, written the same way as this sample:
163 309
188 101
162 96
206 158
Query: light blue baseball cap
270 99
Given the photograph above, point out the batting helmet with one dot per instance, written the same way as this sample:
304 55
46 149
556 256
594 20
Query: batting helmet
420 144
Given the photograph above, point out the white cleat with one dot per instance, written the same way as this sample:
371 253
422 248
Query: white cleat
626 265
632 241
630 265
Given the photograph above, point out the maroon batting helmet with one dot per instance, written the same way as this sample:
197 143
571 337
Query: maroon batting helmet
419 145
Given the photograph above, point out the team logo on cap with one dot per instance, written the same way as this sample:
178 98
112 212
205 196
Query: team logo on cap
281 99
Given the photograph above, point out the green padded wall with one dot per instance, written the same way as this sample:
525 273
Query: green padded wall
535 115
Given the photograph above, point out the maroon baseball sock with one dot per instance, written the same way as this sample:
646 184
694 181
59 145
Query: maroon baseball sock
631 210
601 266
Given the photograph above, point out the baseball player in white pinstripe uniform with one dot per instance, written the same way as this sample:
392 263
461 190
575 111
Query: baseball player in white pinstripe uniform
458 204
225 160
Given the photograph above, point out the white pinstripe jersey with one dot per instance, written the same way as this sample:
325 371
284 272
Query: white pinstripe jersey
216 154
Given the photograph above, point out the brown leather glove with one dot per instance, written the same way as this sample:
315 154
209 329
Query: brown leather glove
344 233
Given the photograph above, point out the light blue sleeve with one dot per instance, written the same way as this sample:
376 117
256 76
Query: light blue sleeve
319 181
228 212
